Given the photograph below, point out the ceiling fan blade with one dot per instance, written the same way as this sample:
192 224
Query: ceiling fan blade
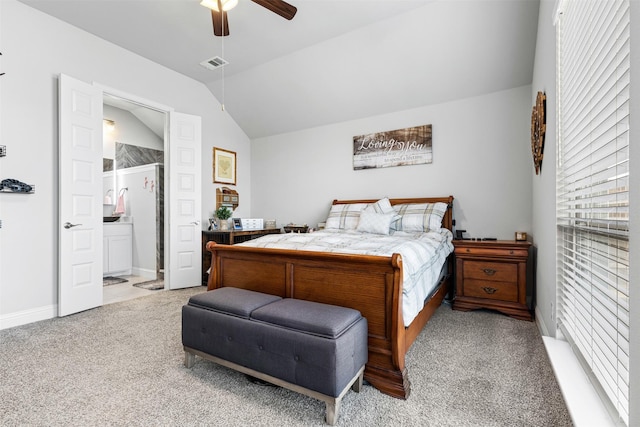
220 23
280 7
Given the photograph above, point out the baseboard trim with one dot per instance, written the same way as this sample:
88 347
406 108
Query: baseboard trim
542 327
28 316
144 272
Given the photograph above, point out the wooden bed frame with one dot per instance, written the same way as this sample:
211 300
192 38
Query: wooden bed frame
370 284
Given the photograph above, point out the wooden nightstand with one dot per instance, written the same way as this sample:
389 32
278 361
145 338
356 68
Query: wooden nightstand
492 274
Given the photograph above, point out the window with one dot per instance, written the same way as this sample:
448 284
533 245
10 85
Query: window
592 190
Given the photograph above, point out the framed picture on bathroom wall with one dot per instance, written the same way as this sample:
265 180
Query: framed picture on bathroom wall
224 166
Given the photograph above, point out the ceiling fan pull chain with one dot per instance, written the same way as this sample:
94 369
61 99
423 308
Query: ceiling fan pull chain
222 42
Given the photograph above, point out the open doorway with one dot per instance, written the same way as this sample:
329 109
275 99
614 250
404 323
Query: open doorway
133 187
80 196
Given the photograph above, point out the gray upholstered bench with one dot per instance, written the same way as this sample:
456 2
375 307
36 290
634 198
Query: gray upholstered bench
315 349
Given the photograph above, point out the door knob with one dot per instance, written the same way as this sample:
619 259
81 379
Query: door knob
68 225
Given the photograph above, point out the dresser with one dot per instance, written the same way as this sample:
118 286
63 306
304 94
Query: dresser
493 275
228 237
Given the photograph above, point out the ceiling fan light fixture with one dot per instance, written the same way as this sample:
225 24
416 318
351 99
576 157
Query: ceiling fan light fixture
213 4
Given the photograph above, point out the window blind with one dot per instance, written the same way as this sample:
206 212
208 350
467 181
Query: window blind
592 190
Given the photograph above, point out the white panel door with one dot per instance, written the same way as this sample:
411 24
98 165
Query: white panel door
184 201
79 197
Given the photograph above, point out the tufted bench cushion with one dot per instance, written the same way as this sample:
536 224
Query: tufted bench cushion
316 349
323 320
233 301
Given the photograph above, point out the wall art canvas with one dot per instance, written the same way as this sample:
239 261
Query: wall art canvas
401 147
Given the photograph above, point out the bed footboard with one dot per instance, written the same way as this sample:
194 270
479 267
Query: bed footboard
369 284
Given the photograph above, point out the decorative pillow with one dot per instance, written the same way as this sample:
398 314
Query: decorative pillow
375 223
383 206
421 217
344 217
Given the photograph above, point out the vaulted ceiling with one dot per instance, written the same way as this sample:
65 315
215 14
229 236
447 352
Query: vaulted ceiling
337 60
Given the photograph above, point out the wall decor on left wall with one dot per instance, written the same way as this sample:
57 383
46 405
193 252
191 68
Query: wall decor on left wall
224 166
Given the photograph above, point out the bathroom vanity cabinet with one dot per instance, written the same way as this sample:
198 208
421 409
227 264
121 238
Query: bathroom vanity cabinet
117 249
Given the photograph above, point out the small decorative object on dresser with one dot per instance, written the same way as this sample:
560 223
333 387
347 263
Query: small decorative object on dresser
521 236
296 228
493 275
223 213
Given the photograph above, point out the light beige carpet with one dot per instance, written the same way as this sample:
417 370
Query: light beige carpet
122 365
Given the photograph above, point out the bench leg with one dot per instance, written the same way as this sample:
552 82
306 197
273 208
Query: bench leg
357 384
331 411
189 359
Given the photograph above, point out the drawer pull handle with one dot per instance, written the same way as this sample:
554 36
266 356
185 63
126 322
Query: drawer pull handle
489 290
489 271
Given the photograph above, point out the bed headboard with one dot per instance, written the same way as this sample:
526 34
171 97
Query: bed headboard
447 220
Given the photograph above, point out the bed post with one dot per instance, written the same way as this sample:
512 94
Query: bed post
388 372
211 282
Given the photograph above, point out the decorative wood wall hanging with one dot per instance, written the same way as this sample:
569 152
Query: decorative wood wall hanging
538 130
409 146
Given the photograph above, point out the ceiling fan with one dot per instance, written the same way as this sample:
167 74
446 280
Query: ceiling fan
219 10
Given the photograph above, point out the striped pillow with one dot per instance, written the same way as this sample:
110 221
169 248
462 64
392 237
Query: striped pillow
421 217
344 217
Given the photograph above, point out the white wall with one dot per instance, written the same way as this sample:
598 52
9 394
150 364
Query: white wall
544 185
140 205
128 129
481 154
36 48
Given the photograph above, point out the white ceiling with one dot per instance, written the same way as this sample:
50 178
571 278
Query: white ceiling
335 61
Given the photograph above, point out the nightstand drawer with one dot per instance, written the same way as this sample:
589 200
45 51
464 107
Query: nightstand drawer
492 252
502 291
493 271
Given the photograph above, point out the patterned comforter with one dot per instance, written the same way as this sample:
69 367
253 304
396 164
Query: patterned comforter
423 255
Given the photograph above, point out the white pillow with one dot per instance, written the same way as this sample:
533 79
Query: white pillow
421 217
375 223
344 216
384 206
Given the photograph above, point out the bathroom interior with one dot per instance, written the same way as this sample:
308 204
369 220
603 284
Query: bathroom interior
133 205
